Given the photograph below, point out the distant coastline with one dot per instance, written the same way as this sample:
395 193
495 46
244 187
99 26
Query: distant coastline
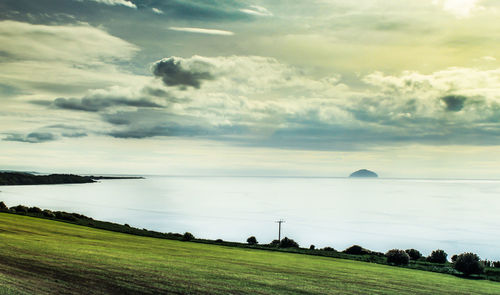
23 178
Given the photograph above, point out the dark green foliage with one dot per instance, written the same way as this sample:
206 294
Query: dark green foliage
438 256
414 254
496 264
16 178
328 249
454 258
35 210
252 241
274 243
219 241
3 207
48 213
312 247
468 264
356 250
187 236
20 209
288 243
397 257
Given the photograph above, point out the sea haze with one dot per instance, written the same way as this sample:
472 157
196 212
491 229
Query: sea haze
379 214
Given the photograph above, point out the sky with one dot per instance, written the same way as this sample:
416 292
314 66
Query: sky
407 88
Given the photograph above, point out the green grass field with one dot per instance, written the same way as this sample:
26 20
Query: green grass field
40 256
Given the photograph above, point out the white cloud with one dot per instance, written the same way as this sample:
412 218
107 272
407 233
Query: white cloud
202 31
61 59
256 10
157 10
488 58
460 8
116 2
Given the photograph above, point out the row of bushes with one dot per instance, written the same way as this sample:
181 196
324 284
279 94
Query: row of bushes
466 263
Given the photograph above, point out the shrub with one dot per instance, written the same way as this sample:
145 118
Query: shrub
454 258
274 243
356 250
3 207
35 210
187 236
288 243
48 213
252 241
312 247
496 264
414 254
397 257
437 256
20 209
219 241
328 249
468 264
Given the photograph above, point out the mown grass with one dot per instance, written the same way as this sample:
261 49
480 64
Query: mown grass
39 256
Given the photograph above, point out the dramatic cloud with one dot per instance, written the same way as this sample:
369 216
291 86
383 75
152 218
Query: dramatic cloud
34 137
454 103
61 59
176 71
202 31
95 104
115 2
256 10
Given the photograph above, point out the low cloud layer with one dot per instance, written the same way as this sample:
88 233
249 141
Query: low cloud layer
34 137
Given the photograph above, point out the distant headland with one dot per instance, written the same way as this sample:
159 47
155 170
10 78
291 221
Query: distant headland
23 178
363 173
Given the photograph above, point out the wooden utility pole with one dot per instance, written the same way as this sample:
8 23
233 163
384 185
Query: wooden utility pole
279 222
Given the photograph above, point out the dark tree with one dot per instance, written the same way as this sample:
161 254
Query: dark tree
34 210
274 243
356 250
3 207
312 247
187 236
288 243
252 241
454 258
438 256
414 254
468 264
20 209
397 257
328 249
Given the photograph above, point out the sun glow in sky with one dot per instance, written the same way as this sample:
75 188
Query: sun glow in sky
406 88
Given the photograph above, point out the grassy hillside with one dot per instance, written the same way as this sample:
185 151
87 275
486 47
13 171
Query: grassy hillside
47 257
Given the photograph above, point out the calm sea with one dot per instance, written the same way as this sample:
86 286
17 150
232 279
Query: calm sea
378 214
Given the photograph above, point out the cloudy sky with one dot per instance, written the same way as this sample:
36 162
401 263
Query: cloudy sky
407 88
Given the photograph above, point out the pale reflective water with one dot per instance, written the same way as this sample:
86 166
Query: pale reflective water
379 214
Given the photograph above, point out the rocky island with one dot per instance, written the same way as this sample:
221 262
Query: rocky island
364 173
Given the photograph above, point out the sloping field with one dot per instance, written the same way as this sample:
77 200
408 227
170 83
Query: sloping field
40 256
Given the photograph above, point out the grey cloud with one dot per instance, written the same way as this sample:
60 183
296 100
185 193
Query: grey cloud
150 123
74 134
173 72
34 137
96 104
454 103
